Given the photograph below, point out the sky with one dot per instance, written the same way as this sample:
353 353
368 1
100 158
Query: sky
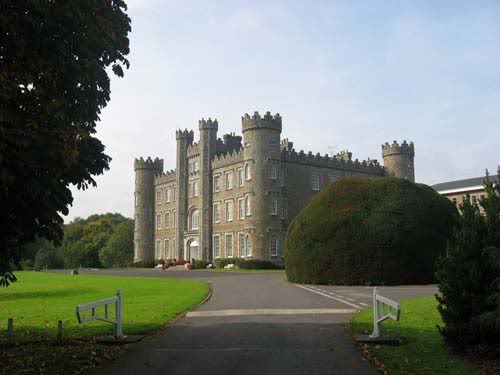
343 75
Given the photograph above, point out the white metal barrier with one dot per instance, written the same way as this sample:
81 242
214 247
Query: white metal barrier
116 300
383 308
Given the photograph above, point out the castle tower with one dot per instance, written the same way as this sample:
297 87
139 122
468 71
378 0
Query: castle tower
208 142
184 139
145 171
398 160
261 151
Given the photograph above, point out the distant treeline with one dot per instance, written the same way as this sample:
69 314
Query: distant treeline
98 241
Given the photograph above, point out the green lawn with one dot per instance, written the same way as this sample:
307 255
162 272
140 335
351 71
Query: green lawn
424 353
38 300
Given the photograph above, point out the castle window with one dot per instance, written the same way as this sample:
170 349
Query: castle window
194 219
248 246
158 197
284 208
175 219
272 172
158 221
273 210
247 144
241 208
273 142
167 249
229 180
248 174
216 244
195 189
190 167
273 246
216 183
283 177
248 210
216 212
241 177
229 210
174 193
167 195
195 166
229 245
158 249
167 219
241 245
136 200
315 182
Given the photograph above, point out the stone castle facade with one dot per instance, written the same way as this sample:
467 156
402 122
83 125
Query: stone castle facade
236 196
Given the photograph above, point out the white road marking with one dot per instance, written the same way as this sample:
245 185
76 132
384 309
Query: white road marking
242 312
327 296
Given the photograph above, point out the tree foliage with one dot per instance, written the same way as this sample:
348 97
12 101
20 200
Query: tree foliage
119 250
54 83
85 241
369 231
469 278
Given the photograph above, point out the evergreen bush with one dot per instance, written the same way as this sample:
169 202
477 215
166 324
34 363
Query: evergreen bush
369 231
469 278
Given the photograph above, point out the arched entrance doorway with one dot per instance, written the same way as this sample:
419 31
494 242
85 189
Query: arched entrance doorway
192 250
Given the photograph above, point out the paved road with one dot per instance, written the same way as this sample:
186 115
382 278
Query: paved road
256 324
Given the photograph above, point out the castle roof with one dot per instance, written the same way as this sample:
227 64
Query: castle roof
462 185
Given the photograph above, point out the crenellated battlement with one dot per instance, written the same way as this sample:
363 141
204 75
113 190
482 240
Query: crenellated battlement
370 166
395 148
156 164
168 176
286 145
257 121
193 149
228 158
208 124
185 134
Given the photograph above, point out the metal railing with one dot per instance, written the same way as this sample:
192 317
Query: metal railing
383 309
92 307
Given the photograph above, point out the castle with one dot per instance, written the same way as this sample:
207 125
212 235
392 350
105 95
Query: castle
232 199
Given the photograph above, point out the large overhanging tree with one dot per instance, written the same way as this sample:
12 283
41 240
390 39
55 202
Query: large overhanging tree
54 60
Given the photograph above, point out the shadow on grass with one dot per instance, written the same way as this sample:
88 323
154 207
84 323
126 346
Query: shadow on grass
423 353
17 295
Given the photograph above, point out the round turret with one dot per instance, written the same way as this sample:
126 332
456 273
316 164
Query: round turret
261 150
398 160
145 171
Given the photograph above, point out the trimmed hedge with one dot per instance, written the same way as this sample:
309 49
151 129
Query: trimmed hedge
378 231
246 264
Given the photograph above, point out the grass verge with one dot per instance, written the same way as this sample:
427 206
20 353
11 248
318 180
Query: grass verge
424 352
38 300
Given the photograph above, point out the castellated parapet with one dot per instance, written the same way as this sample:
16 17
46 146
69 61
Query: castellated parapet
208 124
156 164
370 166
228 158
267 121
167 176
185 134
395 148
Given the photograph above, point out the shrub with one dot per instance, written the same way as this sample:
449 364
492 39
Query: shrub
200 264
363 231
222 262
258 264
469 279
143 264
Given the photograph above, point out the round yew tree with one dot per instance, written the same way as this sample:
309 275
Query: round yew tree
369 231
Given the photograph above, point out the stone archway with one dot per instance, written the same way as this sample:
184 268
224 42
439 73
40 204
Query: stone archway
192 250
